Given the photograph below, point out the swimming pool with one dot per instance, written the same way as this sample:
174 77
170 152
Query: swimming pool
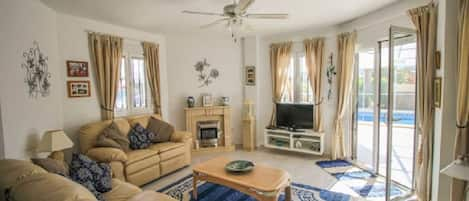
407 118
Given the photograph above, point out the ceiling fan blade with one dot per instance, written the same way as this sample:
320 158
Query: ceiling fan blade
214 23
202 13
267 16
243 5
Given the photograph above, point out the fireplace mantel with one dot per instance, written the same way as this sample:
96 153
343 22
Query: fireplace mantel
213 113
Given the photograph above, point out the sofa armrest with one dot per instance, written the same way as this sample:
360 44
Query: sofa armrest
106 154
181 136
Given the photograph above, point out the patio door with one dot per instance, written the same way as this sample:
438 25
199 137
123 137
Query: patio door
401 137
386 89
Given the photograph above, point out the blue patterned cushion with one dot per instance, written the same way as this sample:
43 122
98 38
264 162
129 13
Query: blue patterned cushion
140 138
95 177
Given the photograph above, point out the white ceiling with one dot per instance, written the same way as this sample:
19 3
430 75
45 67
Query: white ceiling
164 16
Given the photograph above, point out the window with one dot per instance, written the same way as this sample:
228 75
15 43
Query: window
133 95
298 88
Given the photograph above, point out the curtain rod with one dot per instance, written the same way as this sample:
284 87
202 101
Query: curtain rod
128 38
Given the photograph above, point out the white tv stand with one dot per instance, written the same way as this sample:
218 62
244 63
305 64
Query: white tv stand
311 142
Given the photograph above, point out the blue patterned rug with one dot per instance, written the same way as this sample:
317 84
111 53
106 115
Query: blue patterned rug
365 183
182 191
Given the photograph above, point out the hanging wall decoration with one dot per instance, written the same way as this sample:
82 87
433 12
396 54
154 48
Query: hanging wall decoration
206 74
37 75
330 73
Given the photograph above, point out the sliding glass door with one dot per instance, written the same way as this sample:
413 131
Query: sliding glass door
401 136
386 89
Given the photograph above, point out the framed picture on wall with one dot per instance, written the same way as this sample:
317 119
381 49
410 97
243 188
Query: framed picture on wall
438 60
77 69
250 75
437 93
78 89
207 100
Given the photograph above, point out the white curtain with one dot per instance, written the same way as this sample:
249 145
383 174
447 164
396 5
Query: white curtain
346 56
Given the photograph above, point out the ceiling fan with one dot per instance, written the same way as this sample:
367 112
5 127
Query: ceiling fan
234 15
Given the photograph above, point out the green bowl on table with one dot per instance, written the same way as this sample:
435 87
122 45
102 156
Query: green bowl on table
239 166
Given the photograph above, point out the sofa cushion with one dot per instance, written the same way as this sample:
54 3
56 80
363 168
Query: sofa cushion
165 146
172 164
90 132
13 171
52 166
50 187
104 141
138 155
142 164
151 196
121 191
106 154
96 177
141 119
162 130
139 137
112 137
144 176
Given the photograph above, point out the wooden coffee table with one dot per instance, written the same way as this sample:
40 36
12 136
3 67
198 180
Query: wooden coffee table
263 183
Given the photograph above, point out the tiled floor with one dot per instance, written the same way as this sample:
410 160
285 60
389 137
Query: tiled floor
302 168
402 151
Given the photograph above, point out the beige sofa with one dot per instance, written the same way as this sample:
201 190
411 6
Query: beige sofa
29 182
137 166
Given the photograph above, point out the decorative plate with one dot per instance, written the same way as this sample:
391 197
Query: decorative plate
239 166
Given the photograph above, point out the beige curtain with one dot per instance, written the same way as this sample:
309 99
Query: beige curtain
106 53
280 55
424 19
314 49
462 135
346 56
152 66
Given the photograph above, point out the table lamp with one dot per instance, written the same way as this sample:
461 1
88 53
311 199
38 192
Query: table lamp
55 141
458 169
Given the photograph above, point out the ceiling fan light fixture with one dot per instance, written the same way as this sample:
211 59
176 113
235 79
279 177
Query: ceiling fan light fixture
235 15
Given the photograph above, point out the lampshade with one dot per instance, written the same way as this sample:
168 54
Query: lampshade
55 140
458 169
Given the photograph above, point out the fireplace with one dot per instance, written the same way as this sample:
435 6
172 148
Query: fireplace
208 133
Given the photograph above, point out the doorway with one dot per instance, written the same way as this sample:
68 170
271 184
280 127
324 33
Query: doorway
386 89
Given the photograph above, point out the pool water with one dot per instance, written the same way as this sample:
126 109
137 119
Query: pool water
407 118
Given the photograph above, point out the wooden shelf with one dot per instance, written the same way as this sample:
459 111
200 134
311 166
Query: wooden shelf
308 137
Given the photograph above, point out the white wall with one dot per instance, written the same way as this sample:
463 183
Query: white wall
223 54
73 45
251 57
445 116
24 118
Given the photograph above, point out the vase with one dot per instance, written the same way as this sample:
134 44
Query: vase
190 101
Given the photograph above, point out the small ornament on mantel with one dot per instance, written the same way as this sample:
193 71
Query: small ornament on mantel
190 101
225 101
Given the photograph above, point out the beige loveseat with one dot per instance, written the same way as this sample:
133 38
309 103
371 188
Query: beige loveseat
28 182
137 166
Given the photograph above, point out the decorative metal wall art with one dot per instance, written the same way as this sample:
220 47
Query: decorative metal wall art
330 73
206 74
37 73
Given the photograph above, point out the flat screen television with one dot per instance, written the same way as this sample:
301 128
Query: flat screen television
297 116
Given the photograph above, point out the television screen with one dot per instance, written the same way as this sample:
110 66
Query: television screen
295 115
